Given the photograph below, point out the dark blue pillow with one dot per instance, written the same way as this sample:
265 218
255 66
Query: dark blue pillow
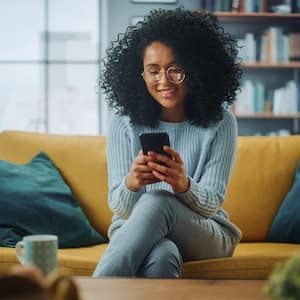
34 199
286 224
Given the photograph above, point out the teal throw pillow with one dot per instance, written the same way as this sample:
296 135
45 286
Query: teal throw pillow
285 227
34 199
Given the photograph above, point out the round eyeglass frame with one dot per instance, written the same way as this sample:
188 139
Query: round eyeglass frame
156 81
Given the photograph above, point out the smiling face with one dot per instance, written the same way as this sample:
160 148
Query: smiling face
158 57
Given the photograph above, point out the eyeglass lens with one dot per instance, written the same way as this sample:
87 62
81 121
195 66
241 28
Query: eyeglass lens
175 74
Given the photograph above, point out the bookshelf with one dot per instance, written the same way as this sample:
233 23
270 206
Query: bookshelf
256 16
274 66
278 65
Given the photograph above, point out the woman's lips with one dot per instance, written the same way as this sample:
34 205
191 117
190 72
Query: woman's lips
167 93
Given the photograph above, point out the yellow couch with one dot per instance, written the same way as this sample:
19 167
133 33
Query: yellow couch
262 176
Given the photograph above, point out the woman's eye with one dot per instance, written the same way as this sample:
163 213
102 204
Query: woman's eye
174 69
153 72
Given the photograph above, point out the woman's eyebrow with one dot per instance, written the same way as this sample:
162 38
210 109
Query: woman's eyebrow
157 65
151 65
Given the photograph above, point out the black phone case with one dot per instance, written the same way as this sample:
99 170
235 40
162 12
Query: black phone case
154 142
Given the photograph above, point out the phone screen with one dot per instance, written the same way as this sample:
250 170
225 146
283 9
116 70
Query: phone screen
154 142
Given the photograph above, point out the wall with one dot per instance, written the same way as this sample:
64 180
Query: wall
120 12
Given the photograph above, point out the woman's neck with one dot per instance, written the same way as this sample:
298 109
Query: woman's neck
173 116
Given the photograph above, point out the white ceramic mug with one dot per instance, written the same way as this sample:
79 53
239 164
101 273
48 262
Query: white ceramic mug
38 250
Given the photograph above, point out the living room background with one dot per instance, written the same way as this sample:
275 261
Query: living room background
49 61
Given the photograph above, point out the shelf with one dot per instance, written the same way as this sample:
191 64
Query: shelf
268 115
257 17
272 75
279 65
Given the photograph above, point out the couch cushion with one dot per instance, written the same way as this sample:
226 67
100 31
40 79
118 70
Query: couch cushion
262 176
73 262
81 161
249 261
286 225
35 200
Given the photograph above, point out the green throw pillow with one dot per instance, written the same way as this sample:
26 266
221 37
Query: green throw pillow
285 227
34 199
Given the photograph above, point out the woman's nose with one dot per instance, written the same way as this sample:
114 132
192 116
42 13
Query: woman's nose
163 77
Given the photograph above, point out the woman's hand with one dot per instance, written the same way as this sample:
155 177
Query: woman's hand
140 173
172 171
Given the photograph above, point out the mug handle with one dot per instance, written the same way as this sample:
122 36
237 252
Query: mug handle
19 247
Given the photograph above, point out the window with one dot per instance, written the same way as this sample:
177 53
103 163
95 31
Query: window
49 66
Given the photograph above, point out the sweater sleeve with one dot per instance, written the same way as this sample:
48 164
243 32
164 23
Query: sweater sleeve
119 157
207 194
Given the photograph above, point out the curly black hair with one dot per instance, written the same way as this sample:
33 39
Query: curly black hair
207 54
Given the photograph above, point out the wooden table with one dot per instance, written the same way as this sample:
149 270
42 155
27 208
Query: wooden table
185 289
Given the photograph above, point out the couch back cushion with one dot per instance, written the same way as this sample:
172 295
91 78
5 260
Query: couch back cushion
80 159
262 176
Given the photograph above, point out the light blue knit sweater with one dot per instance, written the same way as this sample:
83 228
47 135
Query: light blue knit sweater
208 155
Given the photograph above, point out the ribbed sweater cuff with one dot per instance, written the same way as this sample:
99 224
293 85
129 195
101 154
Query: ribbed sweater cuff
193 198
124 207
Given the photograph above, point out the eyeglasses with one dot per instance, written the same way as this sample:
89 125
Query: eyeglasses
175 75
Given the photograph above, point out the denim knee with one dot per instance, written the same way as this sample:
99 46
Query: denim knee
158 205
164 261
157 199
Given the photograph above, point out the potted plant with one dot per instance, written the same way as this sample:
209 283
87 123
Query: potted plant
284 281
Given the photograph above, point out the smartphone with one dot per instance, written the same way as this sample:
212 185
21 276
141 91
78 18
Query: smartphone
154 142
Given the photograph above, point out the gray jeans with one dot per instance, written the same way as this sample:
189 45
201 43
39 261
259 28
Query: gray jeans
159 235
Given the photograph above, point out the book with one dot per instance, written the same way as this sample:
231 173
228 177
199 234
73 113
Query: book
280 6
245 99
235 5
295 6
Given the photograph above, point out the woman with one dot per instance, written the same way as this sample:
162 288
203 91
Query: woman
174 72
